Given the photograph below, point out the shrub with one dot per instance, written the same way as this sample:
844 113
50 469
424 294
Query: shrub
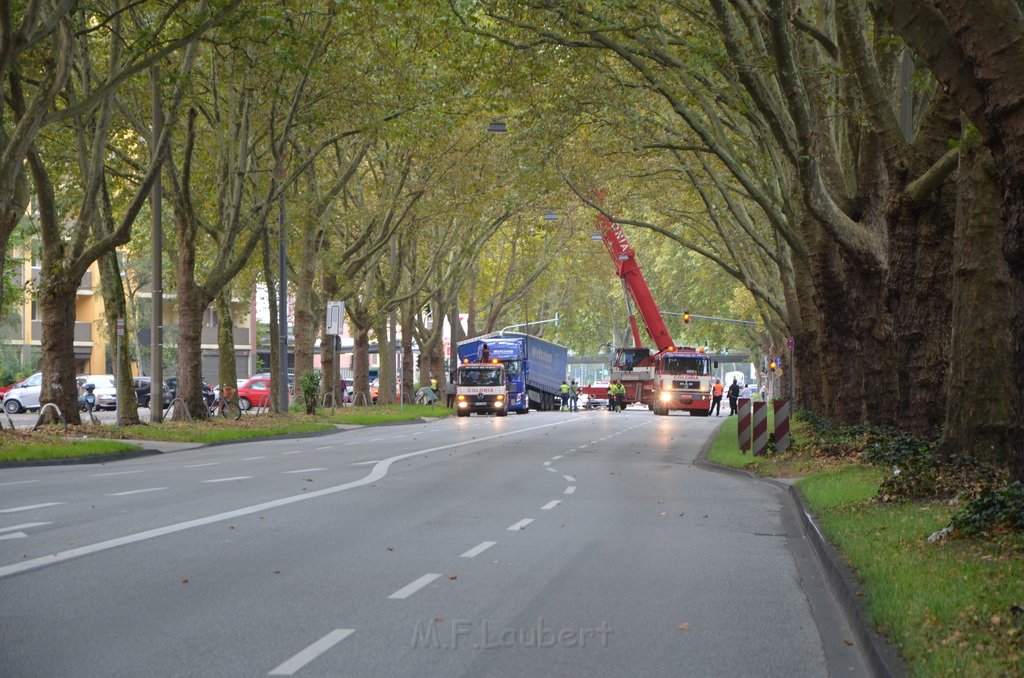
310 385
996 509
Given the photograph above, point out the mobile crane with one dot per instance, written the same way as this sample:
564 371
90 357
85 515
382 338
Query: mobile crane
671 378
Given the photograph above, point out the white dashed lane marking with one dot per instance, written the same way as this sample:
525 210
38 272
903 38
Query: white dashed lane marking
521 525
18 509
290 667
551 504
18 482
212 463
570 490
142 491
306 470
478 549
227 480
408 590
114 473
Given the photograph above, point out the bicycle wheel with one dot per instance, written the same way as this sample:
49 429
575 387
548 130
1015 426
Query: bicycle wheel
231 410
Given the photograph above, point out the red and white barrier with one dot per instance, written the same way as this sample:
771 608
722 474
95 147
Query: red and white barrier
760 428
743 425
781 425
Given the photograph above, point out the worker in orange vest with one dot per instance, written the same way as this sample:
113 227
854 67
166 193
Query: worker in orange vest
716 399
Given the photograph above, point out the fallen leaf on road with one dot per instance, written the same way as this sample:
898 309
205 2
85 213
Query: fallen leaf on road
453 577
438 619
663 513
185 580
848 642
685 626
277 571
391 548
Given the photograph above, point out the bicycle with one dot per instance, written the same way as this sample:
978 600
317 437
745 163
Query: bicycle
228 409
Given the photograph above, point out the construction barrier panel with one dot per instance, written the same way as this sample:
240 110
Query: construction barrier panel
781 425
760 428
743 425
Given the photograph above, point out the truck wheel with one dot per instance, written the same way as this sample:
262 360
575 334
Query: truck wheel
502 413
461 413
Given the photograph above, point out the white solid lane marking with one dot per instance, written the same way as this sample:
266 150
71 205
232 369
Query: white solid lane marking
16 509
478 549
114 473
13 535
262 456
570 479
551 504
227 480
23 526
18 482
289 667
408 590
211 463
306 470
125 494
570 490
379 471
292 452
365 463
520 525
326 447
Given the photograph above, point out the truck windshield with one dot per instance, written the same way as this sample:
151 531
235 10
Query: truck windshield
480 377
686 365
512 367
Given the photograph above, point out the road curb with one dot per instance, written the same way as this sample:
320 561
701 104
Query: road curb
882 657
92 459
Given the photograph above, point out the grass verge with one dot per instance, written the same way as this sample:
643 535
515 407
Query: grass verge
49 443
948 606
47 446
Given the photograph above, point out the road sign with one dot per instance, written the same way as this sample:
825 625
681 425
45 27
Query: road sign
120 327
335 316
790 343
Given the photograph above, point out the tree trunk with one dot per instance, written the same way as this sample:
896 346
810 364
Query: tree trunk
305 318
227 372
977 412
114 307
57 342
328 348
360 366
386 374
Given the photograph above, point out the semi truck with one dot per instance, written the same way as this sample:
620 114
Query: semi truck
534 368
481 387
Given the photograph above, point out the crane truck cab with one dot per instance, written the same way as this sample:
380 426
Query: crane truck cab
683 379
481 387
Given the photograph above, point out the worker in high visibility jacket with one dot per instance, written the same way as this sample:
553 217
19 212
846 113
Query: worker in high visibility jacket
716 398
617 396
565 396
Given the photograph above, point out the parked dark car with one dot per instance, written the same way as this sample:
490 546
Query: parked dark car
143 389
171 383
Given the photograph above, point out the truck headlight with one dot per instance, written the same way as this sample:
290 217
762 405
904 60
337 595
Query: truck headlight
463 404
665 396
499 403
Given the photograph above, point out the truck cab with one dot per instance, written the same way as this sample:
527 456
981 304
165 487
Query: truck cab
481 387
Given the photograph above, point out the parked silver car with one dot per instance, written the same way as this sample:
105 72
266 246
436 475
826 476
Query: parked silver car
24 395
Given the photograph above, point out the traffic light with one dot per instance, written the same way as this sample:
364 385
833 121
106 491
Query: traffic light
686 316
773 365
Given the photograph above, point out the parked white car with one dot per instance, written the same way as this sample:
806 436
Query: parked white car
105 391
25 395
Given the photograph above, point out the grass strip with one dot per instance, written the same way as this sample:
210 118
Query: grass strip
946 606
52 447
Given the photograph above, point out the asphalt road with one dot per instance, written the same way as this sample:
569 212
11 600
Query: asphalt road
552 544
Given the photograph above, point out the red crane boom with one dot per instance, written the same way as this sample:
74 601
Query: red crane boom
633 279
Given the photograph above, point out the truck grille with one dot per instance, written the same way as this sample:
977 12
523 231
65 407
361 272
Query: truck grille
688 384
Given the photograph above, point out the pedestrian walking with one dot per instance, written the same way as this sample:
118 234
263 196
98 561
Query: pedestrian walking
449 391
574 397
734 395
716 399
